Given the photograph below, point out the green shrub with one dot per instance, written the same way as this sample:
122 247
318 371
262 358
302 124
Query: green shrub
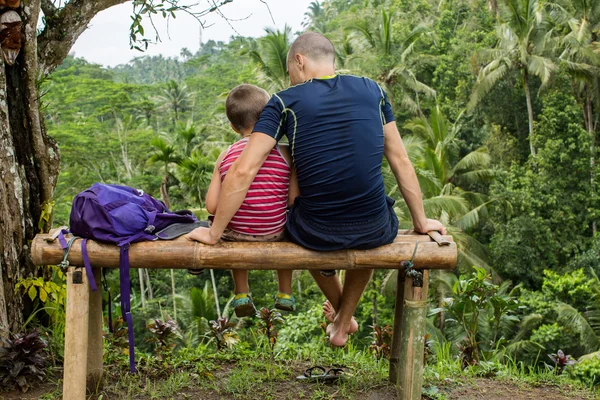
587 371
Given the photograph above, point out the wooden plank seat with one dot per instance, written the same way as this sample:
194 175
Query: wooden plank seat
83 330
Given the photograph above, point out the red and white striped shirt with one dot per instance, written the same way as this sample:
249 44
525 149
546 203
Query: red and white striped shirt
263 211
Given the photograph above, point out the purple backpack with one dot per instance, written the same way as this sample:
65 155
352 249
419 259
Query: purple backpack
123 215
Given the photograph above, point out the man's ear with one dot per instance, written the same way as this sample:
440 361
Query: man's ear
300 60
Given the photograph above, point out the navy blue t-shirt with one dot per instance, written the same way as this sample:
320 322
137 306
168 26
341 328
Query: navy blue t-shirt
334 128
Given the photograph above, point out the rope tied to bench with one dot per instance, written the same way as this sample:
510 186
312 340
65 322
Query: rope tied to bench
410 271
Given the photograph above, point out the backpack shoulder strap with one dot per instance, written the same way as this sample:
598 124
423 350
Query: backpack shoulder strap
88 266
125 286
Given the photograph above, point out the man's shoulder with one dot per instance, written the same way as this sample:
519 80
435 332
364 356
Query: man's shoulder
361 80
293 92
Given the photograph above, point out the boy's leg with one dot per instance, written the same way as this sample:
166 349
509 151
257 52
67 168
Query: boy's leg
284 280
240 280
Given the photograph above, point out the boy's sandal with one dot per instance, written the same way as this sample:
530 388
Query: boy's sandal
325 376
285 302
195 271
327 272
243 305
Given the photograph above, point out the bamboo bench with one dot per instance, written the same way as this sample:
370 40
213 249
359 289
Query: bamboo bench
83 329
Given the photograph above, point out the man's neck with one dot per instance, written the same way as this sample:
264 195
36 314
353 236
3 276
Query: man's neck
321 72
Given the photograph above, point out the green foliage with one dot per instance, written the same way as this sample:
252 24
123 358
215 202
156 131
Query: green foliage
158 124
268 321
479 315
222 332
23 360
587 371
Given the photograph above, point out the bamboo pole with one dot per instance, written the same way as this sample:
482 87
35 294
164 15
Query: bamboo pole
95 332
76 334
396 333
183 254
412 341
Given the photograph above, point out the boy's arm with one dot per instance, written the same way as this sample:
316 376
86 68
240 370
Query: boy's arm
212 196
294 190
397 157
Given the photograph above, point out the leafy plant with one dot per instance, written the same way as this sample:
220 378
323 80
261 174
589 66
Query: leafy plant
587 370
268 320
477 315
561 361
222 331
381 344
164 337
23 359
117 348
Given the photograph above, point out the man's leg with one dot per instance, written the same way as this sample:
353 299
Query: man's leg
332 289
354 286
330 286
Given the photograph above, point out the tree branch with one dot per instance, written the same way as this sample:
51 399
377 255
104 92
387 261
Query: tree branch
63 28
48 8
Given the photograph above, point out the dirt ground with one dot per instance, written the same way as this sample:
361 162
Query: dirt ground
479 389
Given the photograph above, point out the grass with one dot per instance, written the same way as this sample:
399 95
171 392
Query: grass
251 371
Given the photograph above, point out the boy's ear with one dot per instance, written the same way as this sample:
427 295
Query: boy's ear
236 130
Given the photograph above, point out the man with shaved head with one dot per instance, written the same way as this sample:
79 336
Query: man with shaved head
339 128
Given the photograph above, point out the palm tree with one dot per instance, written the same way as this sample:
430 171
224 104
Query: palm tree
166 155
271 57
175 97
582 62
523 40
317 17
186 136
195 173
446 180
393 57
586 324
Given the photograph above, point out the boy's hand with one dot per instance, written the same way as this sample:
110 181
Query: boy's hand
202 235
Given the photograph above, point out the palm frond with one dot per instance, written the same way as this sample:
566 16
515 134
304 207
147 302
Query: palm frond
576 321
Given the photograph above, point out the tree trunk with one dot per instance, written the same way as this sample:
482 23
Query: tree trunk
148 285
142 289
374 302
529 111
173 295
591 131
164 191
29 159
28 168
215 292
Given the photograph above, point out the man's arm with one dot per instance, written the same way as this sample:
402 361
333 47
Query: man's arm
235 186
397 157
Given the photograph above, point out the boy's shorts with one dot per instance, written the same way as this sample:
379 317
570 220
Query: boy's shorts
233 236
229 235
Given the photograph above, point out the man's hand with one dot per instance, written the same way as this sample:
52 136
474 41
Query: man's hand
202 235
431 225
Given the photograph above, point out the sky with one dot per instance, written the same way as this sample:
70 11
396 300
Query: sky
106 41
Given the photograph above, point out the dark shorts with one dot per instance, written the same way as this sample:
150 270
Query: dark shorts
361 235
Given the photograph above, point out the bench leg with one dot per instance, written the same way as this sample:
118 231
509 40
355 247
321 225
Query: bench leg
412 338
396 333
76 334
94 361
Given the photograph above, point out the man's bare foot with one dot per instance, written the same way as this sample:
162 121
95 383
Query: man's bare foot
337 334
329 312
